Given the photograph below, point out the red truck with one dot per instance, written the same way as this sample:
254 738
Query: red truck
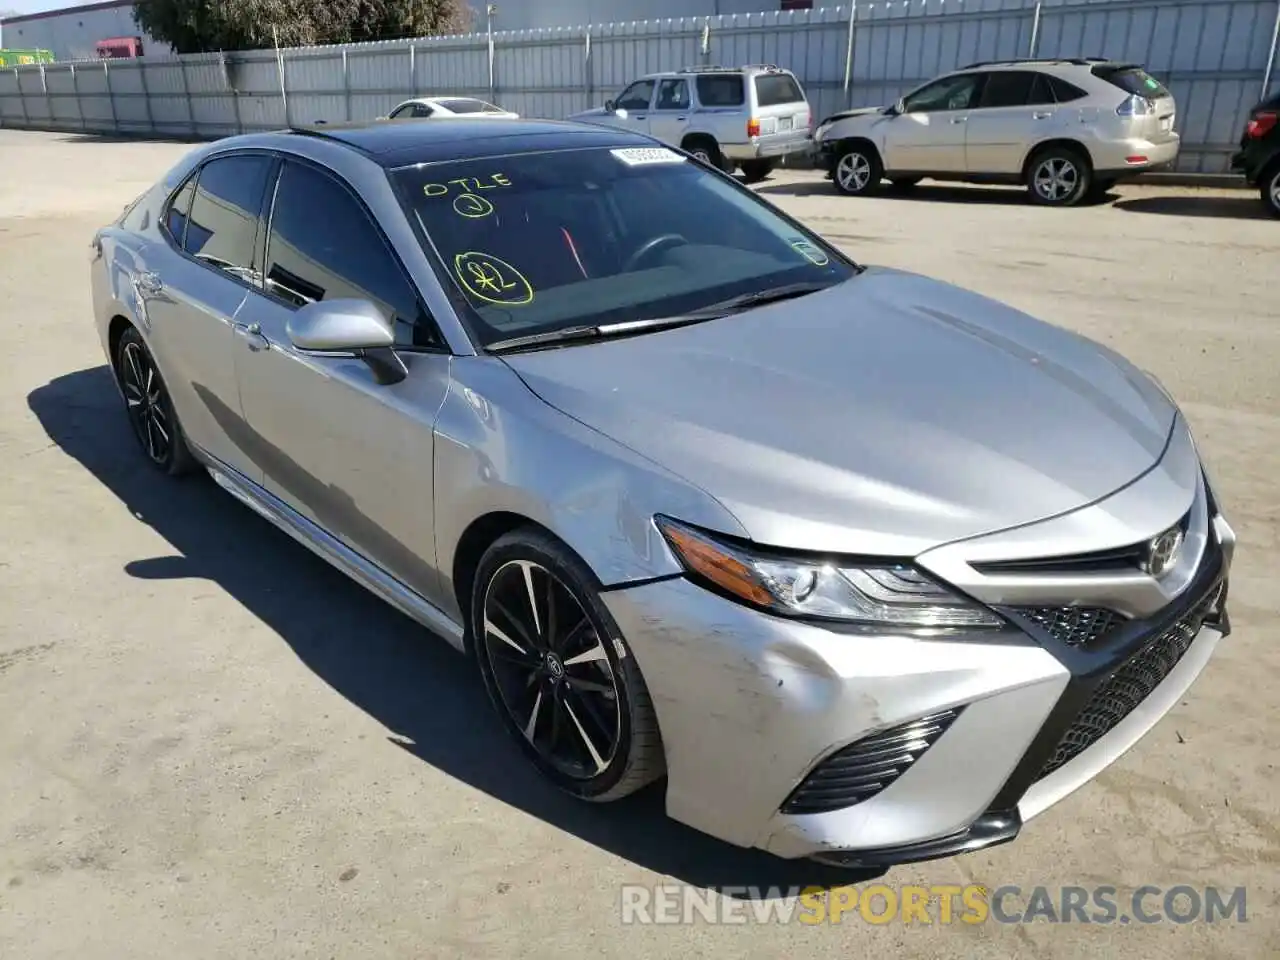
119 48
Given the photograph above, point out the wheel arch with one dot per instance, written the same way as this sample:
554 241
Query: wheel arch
1066 143
115 330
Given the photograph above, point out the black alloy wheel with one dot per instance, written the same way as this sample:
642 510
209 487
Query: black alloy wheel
149 407
570 694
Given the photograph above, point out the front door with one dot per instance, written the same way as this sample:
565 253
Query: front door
353 456
631 109
198 287
669 118
929 136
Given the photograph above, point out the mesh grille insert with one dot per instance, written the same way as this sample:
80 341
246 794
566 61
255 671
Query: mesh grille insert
1117 697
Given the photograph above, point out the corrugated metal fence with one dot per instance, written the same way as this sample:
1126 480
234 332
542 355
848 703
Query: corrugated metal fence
1217 56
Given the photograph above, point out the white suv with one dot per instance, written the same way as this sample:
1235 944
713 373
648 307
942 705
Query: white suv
743 117
1064 128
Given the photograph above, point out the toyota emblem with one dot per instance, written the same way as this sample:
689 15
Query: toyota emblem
1162 552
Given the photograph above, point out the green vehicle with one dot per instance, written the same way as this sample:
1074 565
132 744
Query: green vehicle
18 58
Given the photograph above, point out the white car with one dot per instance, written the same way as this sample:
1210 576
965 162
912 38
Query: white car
422 107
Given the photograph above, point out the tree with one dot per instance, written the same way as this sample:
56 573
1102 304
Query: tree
195 26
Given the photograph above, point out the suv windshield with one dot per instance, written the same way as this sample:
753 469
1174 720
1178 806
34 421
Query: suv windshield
541 242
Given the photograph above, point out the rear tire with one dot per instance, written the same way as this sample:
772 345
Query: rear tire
1058 177
557 670
753 171
706 151
857 170
149 407
1269 188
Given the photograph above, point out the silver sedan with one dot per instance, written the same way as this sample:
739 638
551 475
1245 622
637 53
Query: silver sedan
862 566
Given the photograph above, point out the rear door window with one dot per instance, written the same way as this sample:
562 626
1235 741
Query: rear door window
1133 80
226 209
776 89
721 90
1007 88
1041 91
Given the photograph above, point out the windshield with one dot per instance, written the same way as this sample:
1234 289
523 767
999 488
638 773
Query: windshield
539 242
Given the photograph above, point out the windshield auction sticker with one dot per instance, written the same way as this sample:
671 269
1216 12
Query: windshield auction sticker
644 156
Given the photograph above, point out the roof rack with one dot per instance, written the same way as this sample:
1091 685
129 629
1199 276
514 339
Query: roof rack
710 68
1074 61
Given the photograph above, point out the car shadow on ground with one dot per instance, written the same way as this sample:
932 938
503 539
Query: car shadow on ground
1246 206
413 683
131 138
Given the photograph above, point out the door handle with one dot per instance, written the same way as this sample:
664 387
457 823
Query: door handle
682 119
959 119
149 282
251 334
639 116
1042 115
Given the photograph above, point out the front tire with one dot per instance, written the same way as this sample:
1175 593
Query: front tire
149 407
1058 177
559 673
857 170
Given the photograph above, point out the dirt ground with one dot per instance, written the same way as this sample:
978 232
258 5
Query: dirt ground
213 745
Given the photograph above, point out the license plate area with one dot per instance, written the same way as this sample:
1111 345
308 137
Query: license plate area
786 123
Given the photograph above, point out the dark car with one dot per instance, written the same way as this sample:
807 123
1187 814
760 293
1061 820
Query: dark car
1259 156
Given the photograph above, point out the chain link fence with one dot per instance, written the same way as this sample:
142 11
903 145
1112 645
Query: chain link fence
1217 56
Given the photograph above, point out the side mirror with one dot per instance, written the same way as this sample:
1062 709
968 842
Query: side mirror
620 112
349 327
900 107
610 106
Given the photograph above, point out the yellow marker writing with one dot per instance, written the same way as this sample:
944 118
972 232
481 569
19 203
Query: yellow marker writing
491 279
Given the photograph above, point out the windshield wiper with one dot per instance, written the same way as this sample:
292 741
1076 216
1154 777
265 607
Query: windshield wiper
605 330
600 331
761 297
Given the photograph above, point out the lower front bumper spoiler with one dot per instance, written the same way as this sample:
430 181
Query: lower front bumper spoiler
989 830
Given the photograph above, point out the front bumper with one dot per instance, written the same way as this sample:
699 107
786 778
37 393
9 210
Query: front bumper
751 705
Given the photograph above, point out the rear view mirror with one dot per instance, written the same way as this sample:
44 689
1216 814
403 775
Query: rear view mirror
349 327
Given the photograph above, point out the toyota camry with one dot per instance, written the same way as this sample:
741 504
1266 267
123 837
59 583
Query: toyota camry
857 565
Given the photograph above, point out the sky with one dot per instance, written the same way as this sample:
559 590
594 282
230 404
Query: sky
36 6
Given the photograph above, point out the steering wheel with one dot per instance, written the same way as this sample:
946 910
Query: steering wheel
648 248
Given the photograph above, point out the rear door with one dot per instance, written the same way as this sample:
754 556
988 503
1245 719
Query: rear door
1015 110
198 285
669 118
782 110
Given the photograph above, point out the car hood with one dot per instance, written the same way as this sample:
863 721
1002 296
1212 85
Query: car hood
886 416
845 114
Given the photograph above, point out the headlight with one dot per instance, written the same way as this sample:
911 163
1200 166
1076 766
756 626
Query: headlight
820 131
889 594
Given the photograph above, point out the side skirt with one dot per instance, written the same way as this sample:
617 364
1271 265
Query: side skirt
360 569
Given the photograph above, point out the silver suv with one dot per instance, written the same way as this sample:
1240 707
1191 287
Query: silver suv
1064 128
728 117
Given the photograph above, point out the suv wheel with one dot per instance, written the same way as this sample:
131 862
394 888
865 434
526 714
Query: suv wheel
707 151
857 170
1269 186
1058 177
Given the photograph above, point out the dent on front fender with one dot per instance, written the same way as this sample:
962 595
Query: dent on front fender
499 448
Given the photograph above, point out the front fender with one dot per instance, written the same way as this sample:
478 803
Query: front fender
501 449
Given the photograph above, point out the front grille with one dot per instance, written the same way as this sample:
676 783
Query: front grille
1117 697
1074 626
862 769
